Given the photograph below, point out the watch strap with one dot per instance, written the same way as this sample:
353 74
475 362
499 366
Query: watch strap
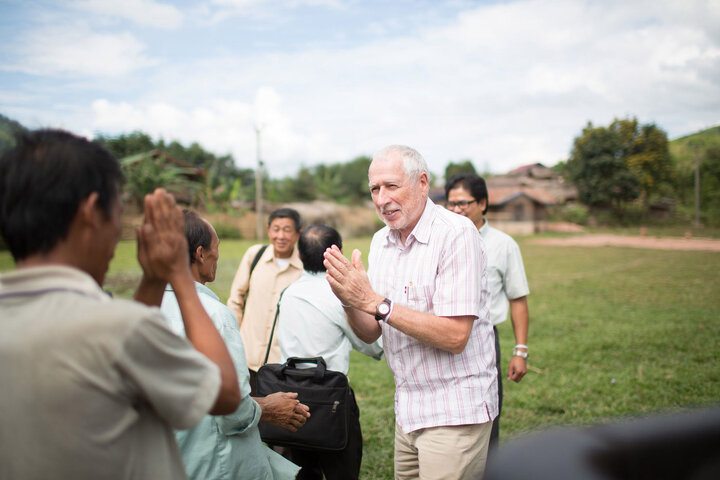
383 317
519 353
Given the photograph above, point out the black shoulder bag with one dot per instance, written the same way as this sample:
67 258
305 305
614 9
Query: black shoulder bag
326 392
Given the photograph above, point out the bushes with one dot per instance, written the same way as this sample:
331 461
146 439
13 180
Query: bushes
573 213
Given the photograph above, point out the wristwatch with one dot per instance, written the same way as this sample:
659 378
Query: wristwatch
383 310
519 353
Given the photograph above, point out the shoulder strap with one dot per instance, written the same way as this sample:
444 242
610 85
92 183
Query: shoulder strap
272 330
252 267
257 259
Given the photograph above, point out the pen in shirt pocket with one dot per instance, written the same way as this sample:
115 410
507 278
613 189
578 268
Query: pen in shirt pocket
407 289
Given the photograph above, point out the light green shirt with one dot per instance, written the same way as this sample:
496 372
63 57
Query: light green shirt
228 446
506 272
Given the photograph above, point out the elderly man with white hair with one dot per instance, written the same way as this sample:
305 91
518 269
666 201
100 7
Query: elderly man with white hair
426 293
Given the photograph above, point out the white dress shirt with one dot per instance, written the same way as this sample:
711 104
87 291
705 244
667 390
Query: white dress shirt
312 323
441 269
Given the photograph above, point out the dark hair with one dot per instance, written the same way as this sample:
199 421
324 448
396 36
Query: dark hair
312 245
472 183
197 233
286 213
43 180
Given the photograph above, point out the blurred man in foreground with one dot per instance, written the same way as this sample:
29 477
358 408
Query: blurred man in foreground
92 387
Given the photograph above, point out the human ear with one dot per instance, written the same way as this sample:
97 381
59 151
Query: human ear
89 211
199 254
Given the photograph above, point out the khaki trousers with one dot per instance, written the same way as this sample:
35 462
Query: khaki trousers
442 453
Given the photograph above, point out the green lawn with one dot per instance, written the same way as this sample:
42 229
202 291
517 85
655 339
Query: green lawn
614 332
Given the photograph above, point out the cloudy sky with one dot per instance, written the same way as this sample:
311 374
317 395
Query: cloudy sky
503 83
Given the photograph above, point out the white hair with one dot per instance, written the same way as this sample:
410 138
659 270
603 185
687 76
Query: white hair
413 163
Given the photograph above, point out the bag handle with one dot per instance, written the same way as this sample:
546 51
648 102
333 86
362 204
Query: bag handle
319 370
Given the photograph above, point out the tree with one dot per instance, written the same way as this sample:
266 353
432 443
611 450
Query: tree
127 144
646 153
598 168
710 184
343 182
618 164
464 166
222 183
298 189
145 172
9 129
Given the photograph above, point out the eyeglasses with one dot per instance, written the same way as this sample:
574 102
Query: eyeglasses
462 204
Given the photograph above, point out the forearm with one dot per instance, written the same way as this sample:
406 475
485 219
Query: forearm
150 292
236 306
363 325
265 414
352 287
520 317
207 340
446 333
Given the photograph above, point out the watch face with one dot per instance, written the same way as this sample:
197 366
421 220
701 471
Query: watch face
383 309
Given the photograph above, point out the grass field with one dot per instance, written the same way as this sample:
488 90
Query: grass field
614 332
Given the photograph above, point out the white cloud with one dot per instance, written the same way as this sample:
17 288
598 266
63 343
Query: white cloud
504 85
143 12
76 51
268 10
221 125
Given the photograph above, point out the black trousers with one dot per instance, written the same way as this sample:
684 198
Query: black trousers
341 465
253 383
495 432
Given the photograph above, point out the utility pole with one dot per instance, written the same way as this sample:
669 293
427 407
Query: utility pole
259 232
697 186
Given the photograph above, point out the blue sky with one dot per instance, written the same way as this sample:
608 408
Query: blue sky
503 83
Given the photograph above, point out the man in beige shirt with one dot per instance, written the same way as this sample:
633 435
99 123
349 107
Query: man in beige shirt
254 296
92 386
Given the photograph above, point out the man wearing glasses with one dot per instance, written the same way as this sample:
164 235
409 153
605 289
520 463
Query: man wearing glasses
467 195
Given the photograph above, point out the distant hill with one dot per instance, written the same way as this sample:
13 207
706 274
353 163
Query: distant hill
8 129
683 149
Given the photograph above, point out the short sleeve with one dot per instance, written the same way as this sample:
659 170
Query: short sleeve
515 281
459 277
180 383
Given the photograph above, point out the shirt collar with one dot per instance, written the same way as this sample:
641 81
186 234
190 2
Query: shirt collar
269 256
314 274
422 229
485 227
35 280
201 289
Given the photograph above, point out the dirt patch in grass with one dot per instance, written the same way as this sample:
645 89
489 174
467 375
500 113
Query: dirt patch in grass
604 240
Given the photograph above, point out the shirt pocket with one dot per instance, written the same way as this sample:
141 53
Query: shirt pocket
419 296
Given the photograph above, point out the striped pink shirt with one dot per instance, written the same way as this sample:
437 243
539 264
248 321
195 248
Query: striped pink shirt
440 270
